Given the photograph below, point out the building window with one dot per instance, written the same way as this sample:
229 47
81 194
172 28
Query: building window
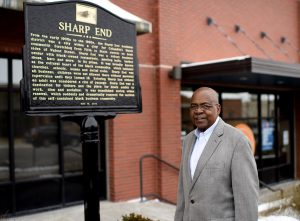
241 110
38 154
4 151
3 73
71 148
36 147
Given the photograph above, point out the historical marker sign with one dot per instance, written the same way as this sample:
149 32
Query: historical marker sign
78 58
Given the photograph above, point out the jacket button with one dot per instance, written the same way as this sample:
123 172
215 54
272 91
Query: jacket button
192 201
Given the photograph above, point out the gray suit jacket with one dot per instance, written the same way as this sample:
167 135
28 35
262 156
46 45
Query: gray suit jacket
225 184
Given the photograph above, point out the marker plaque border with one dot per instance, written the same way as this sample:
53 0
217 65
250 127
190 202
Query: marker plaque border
92 26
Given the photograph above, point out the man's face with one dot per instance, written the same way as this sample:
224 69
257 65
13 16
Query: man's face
204 109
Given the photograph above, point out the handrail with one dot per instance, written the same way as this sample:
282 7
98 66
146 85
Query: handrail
141 176
271 189
177 169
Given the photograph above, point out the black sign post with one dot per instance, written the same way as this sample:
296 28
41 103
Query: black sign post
89 134
80 62
90 142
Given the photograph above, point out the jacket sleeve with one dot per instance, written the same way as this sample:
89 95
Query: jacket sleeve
245 182
180 198
180 205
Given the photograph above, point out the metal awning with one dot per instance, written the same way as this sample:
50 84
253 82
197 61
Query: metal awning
241 71
142 26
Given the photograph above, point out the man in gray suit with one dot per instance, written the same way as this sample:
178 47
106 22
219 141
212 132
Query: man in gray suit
218 176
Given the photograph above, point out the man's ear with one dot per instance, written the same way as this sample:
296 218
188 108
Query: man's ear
219 108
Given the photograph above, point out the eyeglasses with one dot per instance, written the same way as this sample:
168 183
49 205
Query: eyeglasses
203 107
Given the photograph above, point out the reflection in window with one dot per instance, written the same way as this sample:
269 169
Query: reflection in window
72 148
267 105
284 142
3 72
240 109
284 136
36 144
239 105
4 128
187 125
268 127
17 71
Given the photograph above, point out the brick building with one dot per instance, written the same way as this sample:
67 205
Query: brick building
247 50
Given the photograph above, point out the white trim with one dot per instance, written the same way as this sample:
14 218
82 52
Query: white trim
107 154
142 25
163 66
239 58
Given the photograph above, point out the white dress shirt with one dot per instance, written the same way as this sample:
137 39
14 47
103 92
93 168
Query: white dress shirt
202 138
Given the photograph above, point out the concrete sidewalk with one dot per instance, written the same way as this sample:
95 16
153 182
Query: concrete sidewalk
109 211
159 211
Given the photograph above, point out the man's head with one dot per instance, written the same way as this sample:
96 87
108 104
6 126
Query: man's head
205 107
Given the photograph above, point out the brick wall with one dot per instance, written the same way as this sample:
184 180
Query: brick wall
202 42
132 136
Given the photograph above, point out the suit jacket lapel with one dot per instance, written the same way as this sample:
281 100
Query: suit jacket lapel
209 149
189 148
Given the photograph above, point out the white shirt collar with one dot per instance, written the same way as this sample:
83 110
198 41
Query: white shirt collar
208 131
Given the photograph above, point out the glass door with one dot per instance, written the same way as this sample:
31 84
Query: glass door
269 118
285 139
241 110
268 159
